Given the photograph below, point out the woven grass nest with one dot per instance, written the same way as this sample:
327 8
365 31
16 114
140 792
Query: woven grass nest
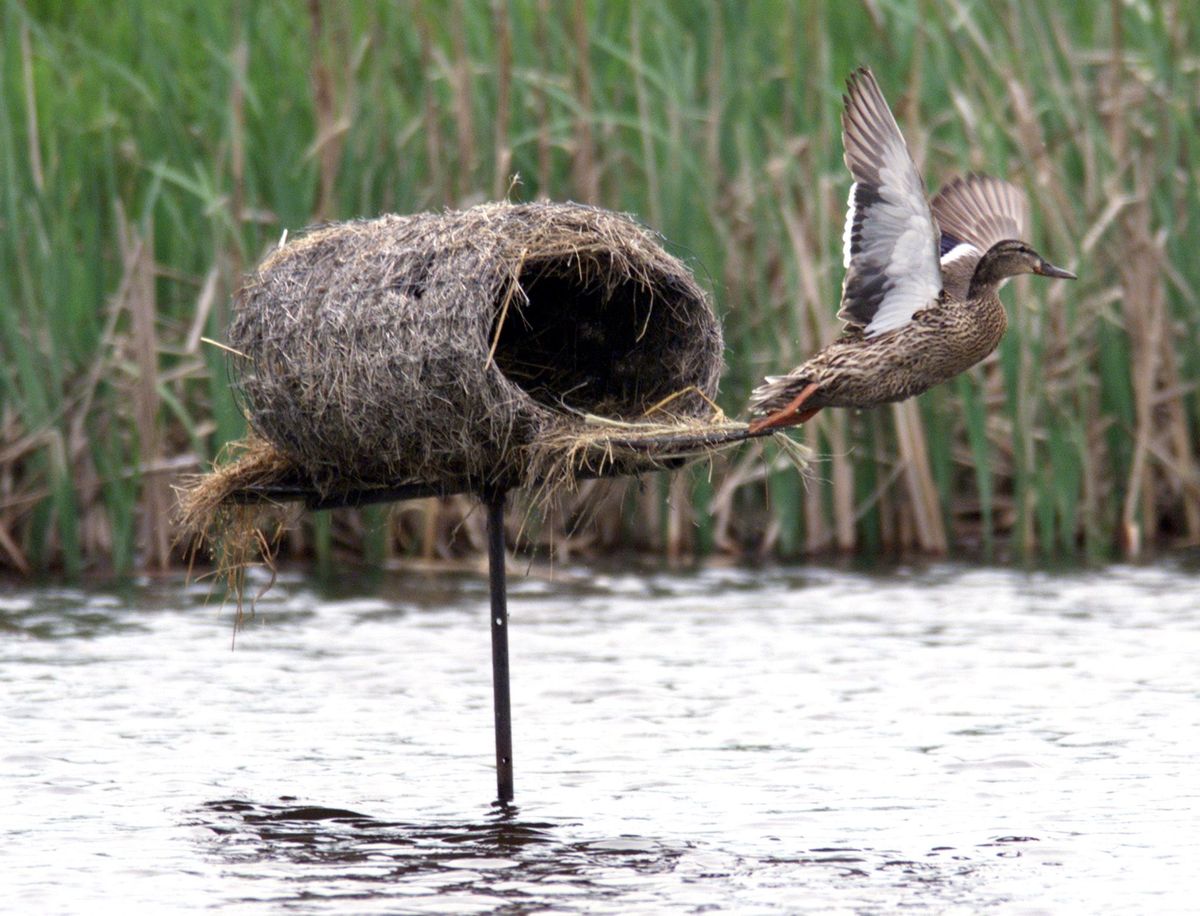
506 345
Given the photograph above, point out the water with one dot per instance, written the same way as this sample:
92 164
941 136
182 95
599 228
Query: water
945 739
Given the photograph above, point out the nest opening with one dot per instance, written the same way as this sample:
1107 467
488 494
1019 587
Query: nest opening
581 342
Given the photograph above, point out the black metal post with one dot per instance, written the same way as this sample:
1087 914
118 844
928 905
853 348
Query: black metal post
499 589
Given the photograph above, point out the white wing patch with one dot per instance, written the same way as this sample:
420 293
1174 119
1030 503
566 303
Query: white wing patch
890 244
961 250
849 229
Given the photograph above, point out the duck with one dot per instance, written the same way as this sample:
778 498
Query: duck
920 298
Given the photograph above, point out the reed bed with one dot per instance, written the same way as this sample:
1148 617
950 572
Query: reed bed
152 154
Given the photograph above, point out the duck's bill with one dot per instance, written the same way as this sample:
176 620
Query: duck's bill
1046 269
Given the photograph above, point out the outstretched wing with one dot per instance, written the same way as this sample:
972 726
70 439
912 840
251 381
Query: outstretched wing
890 245
974 212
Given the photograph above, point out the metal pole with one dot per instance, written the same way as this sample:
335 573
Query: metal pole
496 576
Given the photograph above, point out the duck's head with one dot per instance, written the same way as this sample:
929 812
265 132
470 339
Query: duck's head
1007 259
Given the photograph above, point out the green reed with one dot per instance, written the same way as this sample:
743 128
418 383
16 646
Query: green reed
200 131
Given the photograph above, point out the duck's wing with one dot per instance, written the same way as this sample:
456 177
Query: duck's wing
974 212
890 244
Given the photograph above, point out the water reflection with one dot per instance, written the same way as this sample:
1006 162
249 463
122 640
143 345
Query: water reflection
528 864
504 857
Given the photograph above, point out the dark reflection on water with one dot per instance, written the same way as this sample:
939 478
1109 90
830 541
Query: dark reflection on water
526 864
504 857
62 615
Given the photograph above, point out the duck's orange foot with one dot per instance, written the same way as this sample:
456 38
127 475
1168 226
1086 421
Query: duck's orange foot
791 415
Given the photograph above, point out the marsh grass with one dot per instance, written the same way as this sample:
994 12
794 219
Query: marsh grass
151 153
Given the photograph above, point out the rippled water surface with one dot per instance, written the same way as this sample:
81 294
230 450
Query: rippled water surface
942 739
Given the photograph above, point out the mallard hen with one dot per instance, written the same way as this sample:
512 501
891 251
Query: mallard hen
920 298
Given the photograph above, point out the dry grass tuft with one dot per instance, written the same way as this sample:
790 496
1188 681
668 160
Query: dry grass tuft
214 515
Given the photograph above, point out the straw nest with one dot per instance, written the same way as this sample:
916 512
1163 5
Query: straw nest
443 347
496 347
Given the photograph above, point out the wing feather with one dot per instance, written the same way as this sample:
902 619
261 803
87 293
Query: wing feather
974 212
890 244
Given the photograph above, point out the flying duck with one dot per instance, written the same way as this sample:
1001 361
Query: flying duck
920 297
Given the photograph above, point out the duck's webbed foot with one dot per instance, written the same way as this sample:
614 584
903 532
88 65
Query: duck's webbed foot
791 415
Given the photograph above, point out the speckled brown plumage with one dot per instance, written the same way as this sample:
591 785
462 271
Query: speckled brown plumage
858 371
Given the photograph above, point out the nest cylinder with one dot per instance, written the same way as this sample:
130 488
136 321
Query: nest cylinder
442 348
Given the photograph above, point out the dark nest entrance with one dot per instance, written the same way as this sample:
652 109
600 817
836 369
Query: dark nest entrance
592 346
